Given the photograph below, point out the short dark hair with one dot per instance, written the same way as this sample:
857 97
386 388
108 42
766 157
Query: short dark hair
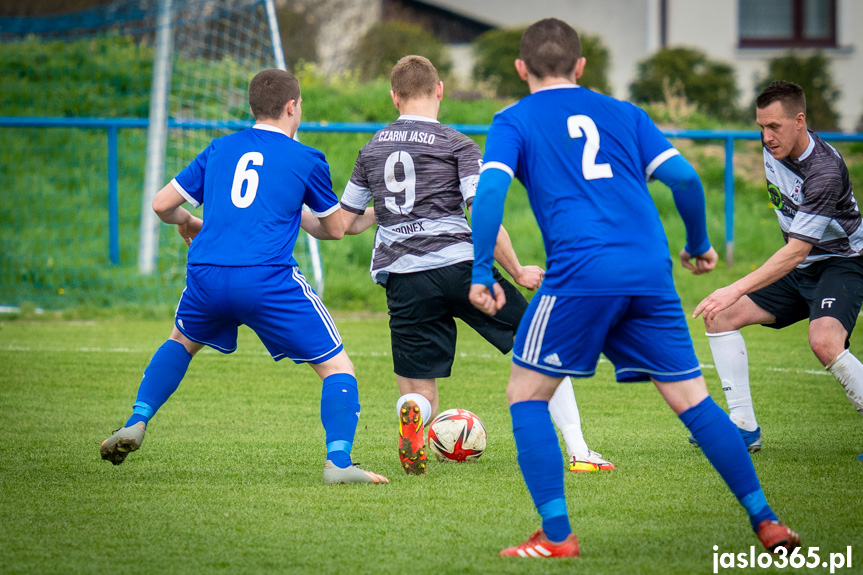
270 91
414 76
550 47
788 93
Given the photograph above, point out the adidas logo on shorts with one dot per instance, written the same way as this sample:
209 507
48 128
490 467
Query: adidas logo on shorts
552 359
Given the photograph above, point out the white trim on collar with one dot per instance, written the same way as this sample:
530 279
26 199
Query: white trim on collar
809 148
558 87
270 128
418 118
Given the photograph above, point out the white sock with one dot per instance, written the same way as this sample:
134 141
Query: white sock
423 403
849 371
564 414
732 365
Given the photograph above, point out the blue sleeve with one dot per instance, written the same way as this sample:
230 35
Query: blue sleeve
191 179
681 177
319 195
486 217
653 146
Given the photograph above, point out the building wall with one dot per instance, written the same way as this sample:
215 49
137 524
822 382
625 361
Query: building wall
623 25
342 24
631 29
687 25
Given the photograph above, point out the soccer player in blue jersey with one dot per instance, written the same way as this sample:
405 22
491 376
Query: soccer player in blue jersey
608 288
817 275
241 268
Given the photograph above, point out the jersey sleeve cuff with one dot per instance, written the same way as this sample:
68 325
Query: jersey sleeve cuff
184 193
497 166
353 210
699 249
802 238
326 212
482 275
658 160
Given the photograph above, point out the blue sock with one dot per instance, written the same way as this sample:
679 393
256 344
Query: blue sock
540 459
721 443
161 378
340 411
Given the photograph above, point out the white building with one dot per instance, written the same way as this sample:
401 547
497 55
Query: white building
742 33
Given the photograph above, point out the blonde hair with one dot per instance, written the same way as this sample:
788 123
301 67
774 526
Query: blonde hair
414 77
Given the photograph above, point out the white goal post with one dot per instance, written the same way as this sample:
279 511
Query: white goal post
164 102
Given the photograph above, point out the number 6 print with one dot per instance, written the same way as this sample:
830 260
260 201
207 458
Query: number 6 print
244 174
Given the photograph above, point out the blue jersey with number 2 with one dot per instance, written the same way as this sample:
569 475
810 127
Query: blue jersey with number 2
585 159
253 185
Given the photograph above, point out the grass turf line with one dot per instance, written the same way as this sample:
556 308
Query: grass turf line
229 477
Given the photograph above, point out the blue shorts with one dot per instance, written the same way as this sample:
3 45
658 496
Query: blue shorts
645 337
276 302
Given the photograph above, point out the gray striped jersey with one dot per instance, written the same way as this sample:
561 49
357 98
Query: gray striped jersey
814 202
420 176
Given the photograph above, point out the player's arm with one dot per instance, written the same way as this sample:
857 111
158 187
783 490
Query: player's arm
168 205
487 215
353 224
776 267
679 175
358 223
529 277
329 227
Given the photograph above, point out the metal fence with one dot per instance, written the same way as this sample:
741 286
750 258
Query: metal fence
112 125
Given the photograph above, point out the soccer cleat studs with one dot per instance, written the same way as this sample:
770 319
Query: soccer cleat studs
412 452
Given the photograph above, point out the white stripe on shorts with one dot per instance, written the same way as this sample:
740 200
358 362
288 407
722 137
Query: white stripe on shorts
536 333
318 305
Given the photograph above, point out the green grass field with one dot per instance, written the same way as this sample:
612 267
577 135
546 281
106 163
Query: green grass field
229 478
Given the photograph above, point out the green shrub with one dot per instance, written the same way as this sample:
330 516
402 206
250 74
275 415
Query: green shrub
814 76
298 32
98 77
675 72
496 50
386 42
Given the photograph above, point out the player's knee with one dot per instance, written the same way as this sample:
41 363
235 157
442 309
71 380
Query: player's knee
513 394
825 348
827 338
344 364
730 319
192 347
340 363
719 323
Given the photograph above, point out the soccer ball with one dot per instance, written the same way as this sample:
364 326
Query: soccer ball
456 435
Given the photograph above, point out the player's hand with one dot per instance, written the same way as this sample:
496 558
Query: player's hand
483 300
704 263
530 277
190 229
719 300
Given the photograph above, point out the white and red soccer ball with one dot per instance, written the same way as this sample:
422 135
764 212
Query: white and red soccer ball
456 435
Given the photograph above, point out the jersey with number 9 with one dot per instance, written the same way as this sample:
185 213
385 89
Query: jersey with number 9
253 185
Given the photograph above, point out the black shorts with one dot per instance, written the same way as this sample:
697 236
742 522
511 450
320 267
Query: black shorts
827 288
423 306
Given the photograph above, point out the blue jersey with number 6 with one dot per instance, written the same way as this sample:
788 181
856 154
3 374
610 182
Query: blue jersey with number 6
585 159
253 185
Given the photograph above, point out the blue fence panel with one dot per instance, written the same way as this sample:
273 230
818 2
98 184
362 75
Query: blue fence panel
112 125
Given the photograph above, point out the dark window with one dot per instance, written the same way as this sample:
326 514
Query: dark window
787 23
